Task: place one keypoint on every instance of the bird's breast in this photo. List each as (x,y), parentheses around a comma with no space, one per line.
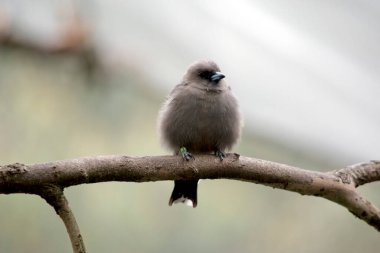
(203,122)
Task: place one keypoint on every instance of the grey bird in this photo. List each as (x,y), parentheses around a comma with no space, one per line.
(200,116)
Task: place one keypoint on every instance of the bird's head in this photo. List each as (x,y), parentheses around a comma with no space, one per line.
(205,75)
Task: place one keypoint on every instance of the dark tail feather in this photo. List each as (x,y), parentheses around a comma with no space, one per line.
(184,191)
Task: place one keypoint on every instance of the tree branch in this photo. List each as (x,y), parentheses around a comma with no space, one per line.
(361,173)
(55,197)
(338,186)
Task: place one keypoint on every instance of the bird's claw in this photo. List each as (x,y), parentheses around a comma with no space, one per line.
(185,155)
(220,154)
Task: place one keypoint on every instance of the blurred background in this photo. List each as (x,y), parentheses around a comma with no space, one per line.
(83,78)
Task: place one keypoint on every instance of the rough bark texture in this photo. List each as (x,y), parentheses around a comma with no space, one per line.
(49,179)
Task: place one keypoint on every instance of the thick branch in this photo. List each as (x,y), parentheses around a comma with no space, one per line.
(338,185)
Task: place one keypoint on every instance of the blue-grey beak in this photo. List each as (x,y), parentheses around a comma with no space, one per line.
(217,76)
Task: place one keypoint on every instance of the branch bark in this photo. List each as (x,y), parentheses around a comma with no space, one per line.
(55,197)
(338,186)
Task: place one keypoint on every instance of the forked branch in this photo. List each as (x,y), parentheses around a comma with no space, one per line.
(338,185)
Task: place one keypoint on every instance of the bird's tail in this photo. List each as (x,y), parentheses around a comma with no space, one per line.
(184,191)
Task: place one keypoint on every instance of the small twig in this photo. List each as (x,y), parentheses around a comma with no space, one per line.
(359,174)
(55,197)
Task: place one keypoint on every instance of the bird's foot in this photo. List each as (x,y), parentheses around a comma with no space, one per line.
(185,155)
(220,154)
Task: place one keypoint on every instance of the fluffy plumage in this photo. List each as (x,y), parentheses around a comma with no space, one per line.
(202,115)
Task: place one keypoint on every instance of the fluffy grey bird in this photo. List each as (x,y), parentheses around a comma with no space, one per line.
(200,116)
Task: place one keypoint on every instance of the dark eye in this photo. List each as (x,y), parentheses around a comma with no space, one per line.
(206,74)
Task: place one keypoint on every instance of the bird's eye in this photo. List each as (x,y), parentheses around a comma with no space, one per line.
(206,74)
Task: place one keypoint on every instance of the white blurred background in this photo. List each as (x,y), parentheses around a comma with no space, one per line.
(88,77)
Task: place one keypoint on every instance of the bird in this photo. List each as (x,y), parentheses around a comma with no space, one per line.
(201,115)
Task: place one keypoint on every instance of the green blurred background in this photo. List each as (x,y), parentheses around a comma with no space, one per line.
(83,78)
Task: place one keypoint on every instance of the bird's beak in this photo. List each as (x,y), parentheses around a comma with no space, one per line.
(217,76)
